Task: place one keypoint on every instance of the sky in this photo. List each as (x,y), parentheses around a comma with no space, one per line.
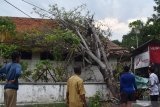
(116,14)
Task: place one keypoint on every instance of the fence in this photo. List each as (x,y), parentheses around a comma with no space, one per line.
(44,93)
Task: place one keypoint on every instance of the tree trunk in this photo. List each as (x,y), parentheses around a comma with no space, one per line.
(111,83)
(104,66)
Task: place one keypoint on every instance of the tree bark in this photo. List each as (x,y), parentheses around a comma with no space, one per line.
(104,67)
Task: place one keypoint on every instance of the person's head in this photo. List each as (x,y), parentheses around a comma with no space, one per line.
(150,69)
(77,70)
(15,57)
(126,69)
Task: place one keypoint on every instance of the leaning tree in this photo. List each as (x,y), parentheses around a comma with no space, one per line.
(82,24)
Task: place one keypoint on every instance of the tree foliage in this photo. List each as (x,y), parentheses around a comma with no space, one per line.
(46,72)
(57,42)
(134,36)
(147,31)
(117,42)
(63,41)
(6,50)
(7,26)
(82,24)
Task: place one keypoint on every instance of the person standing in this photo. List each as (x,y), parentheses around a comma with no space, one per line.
(12,71)
(153,87)
(127,88)
(75,90)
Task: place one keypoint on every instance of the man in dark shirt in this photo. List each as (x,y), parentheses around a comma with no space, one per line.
(12,71)
(127,87)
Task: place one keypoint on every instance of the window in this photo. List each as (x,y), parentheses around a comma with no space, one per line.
(46,55)
(26,55)
(78,58)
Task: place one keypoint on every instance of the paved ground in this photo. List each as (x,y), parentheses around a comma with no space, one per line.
(137,104)
(142,104)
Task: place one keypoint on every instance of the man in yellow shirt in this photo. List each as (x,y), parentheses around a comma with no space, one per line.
(75,90)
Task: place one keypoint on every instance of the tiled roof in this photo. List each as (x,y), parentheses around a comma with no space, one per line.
(27,24)
(114,49)
(112,46)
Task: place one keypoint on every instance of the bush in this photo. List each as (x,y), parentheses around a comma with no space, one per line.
(95,100)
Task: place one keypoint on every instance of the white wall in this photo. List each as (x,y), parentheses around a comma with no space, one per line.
(49,93)
(90,73)
(113,62)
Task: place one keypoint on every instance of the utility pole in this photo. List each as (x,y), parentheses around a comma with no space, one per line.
(137,32)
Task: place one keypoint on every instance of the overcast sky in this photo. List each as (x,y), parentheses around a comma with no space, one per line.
(114,13)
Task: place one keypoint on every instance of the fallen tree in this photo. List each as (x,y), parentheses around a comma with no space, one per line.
(82,24)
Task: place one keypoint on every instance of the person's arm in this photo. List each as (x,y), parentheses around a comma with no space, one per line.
(67,97)
(84,100)
(82,92)
(18,71)
(67,93)
(151,81)
(135,86)
(18,74)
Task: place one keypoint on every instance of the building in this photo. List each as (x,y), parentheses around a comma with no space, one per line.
(146,55)
(29,25)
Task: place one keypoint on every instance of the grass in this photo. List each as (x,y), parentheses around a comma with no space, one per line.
(47,105)
(43,105)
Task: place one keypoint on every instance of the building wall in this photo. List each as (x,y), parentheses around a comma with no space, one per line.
(50,93)
(113,62)
(90,73)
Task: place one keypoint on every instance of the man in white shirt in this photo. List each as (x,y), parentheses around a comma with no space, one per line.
(153,87)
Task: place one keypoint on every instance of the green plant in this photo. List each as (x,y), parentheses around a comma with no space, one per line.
(64,41)
(40,72)
(60,73)
(6,50)
(7,26)
(25,71)
(95,100)
(24,65)
(45,71)
(118,70)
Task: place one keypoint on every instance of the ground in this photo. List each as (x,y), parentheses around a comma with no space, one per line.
(143,104)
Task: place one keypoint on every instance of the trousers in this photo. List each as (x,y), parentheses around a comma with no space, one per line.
(10,97)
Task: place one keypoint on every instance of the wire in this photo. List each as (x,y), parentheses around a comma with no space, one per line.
(38,8)
(17,8)
(35,6)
